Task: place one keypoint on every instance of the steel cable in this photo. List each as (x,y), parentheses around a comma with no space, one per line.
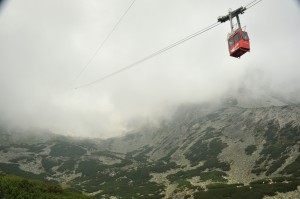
(151,55)
(103,42)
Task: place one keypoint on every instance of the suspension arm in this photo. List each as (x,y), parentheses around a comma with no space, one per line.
(234,13)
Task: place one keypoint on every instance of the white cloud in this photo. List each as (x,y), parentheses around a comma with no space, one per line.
(44,44)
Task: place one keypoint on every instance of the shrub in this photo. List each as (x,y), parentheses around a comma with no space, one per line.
(249,150)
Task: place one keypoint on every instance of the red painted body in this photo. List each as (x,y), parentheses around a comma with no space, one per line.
(238,43)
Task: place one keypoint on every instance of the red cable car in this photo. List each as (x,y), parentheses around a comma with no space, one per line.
(238,39)
(238,43)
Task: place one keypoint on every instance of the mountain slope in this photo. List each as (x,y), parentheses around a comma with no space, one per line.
(245,150)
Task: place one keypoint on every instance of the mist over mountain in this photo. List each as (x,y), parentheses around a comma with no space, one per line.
(191,122)
(201,150)
(43,51)
(254,89)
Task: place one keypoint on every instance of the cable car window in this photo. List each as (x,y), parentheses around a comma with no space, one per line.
(230,42)
(245,35)
(236,37)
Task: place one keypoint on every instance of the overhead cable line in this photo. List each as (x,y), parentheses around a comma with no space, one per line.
(250,5)
(104,41)
(151,55)
(253,3)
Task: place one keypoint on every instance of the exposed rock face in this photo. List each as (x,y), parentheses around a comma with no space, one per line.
(229,143)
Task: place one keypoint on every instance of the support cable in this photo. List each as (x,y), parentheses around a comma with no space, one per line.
(152,55)
(248,6)
(253,4)
(103,42)
(250,3)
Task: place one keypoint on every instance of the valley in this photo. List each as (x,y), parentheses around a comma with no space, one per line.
(199,153)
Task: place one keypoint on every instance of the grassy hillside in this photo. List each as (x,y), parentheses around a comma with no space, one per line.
(13,187)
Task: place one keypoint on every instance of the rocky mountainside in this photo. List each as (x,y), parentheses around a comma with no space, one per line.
(229,149)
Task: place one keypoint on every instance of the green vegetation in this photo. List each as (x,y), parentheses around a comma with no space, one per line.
(277,147)
(121,183)
(125,188)
(114,180)
(249,150)
(131,177)
(214,163)
(216,176)
(210,132)
(123,163)
(90,168)
(208,152)
(67,165)
(142,156)
(276,165)
(222,185)
(15,170)
(183,184)
(202,150)
(66,149)
(22,158)
(167,158)
(256,190)
(107,154)
(12,187)
(4,149)
(293,169)
(48,163)
(161,166)
(212,116)
(131,137)
(32,148)
(258,170)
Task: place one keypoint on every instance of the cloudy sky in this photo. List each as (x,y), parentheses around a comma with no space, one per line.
(44,44)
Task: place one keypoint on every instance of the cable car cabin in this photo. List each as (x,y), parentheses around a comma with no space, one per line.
(238,43)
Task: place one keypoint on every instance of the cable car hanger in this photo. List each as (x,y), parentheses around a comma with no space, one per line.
(238,39)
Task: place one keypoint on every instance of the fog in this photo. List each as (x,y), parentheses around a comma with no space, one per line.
(45,44)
